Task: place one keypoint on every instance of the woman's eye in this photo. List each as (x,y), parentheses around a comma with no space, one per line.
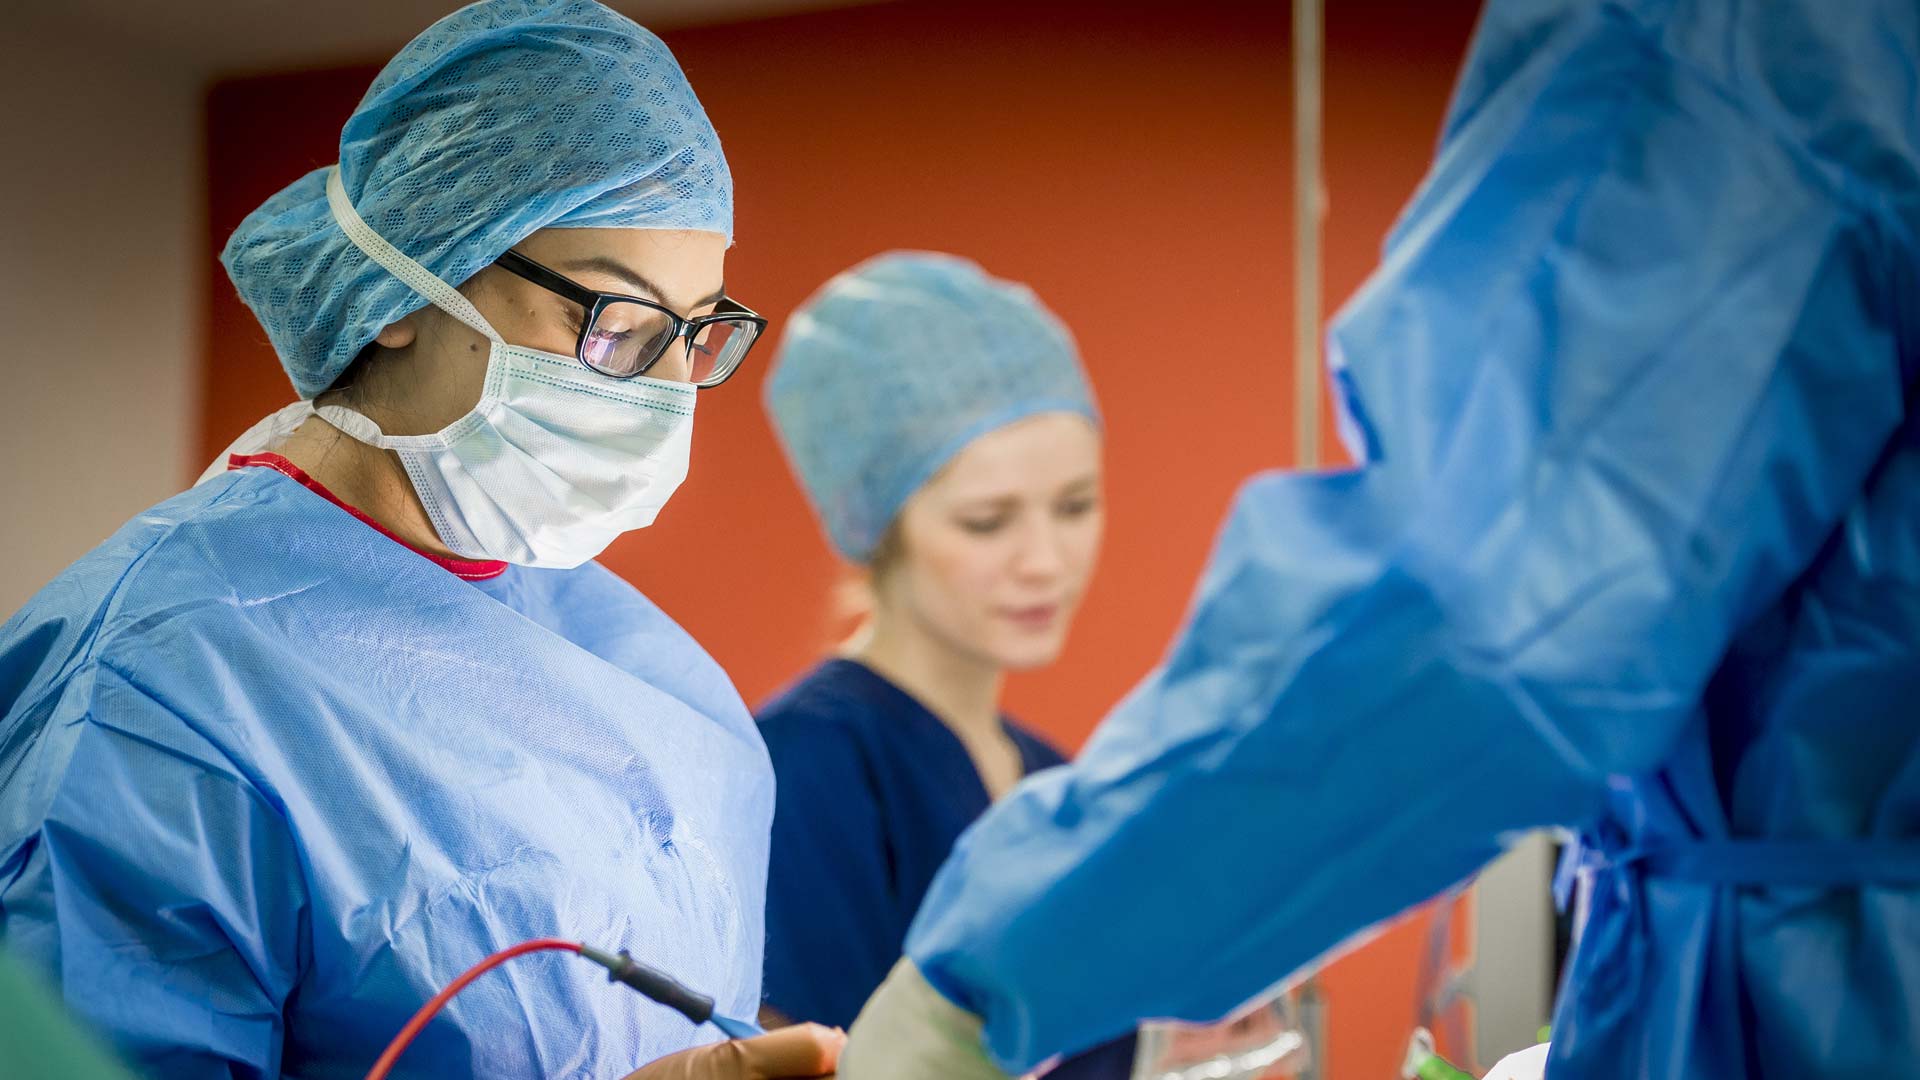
(605,343)
(1074,508)
(601,348)
(983,526)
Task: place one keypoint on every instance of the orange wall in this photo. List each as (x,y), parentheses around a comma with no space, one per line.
(1129,160)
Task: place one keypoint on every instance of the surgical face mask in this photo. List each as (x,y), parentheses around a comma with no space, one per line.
(551,465)
(553,462)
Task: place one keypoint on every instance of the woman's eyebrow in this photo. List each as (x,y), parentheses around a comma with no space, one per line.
(1083,483)
(978,503)
(640,283)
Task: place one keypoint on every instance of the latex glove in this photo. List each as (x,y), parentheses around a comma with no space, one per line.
(908,1031)
(804,1050)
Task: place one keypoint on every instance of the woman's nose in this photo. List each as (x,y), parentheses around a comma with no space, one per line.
(1040,554)
(674,365)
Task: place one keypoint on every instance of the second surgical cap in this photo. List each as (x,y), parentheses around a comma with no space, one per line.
(894,366)
(504,118)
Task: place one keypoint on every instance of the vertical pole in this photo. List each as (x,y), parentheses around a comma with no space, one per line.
(1308,201)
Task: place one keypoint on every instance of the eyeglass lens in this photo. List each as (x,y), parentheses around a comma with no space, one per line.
(626,339)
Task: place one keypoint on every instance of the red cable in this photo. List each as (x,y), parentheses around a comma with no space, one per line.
(400,1041)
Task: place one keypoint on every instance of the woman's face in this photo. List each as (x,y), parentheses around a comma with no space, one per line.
(995,552)
(439,377)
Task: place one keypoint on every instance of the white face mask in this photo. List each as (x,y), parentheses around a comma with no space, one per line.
(553,462)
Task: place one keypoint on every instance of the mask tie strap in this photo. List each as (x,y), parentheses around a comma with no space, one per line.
(354,424)
(416,277)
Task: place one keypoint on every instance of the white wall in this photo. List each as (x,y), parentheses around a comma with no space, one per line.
(1513,928)
(100,293)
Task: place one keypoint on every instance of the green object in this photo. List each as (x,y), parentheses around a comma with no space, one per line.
(1423,1063)
(1439,1068)
(1545,1034)
(37,1039)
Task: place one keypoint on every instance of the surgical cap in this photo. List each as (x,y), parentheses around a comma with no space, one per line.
(504,118)
(894,366)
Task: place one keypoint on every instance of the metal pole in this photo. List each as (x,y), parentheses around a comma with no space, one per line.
(1308,201)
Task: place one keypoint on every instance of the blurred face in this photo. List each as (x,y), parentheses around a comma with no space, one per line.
(995,552)
(441,364)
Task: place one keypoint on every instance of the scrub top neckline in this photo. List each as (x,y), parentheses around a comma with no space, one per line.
(468,569)
(1029,761)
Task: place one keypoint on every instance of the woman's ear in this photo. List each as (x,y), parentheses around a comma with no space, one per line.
(397,335)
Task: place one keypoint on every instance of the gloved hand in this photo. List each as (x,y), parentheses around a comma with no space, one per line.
(908,1031)
(1528,1064)
(804,1050)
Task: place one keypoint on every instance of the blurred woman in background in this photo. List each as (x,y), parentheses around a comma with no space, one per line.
(946,436)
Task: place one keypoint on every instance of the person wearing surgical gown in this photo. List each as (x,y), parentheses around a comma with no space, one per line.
(293,749)
(1633,548)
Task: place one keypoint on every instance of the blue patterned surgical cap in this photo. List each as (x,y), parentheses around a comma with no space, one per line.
(504,118)
(894,366)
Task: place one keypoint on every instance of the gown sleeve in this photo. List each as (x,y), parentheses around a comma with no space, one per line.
(166,893)
(1634,350)
(834,917)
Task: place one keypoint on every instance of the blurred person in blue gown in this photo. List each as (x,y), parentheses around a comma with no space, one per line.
(1633,549)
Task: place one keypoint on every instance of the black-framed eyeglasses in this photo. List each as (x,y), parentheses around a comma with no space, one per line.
(623,336)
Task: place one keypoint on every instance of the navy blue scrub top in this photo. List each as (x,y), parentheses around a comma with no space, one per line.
(871,792)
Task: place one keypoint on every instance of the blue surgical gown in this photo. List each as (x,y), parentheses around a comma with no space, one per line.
(1635,549)
(269,780)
